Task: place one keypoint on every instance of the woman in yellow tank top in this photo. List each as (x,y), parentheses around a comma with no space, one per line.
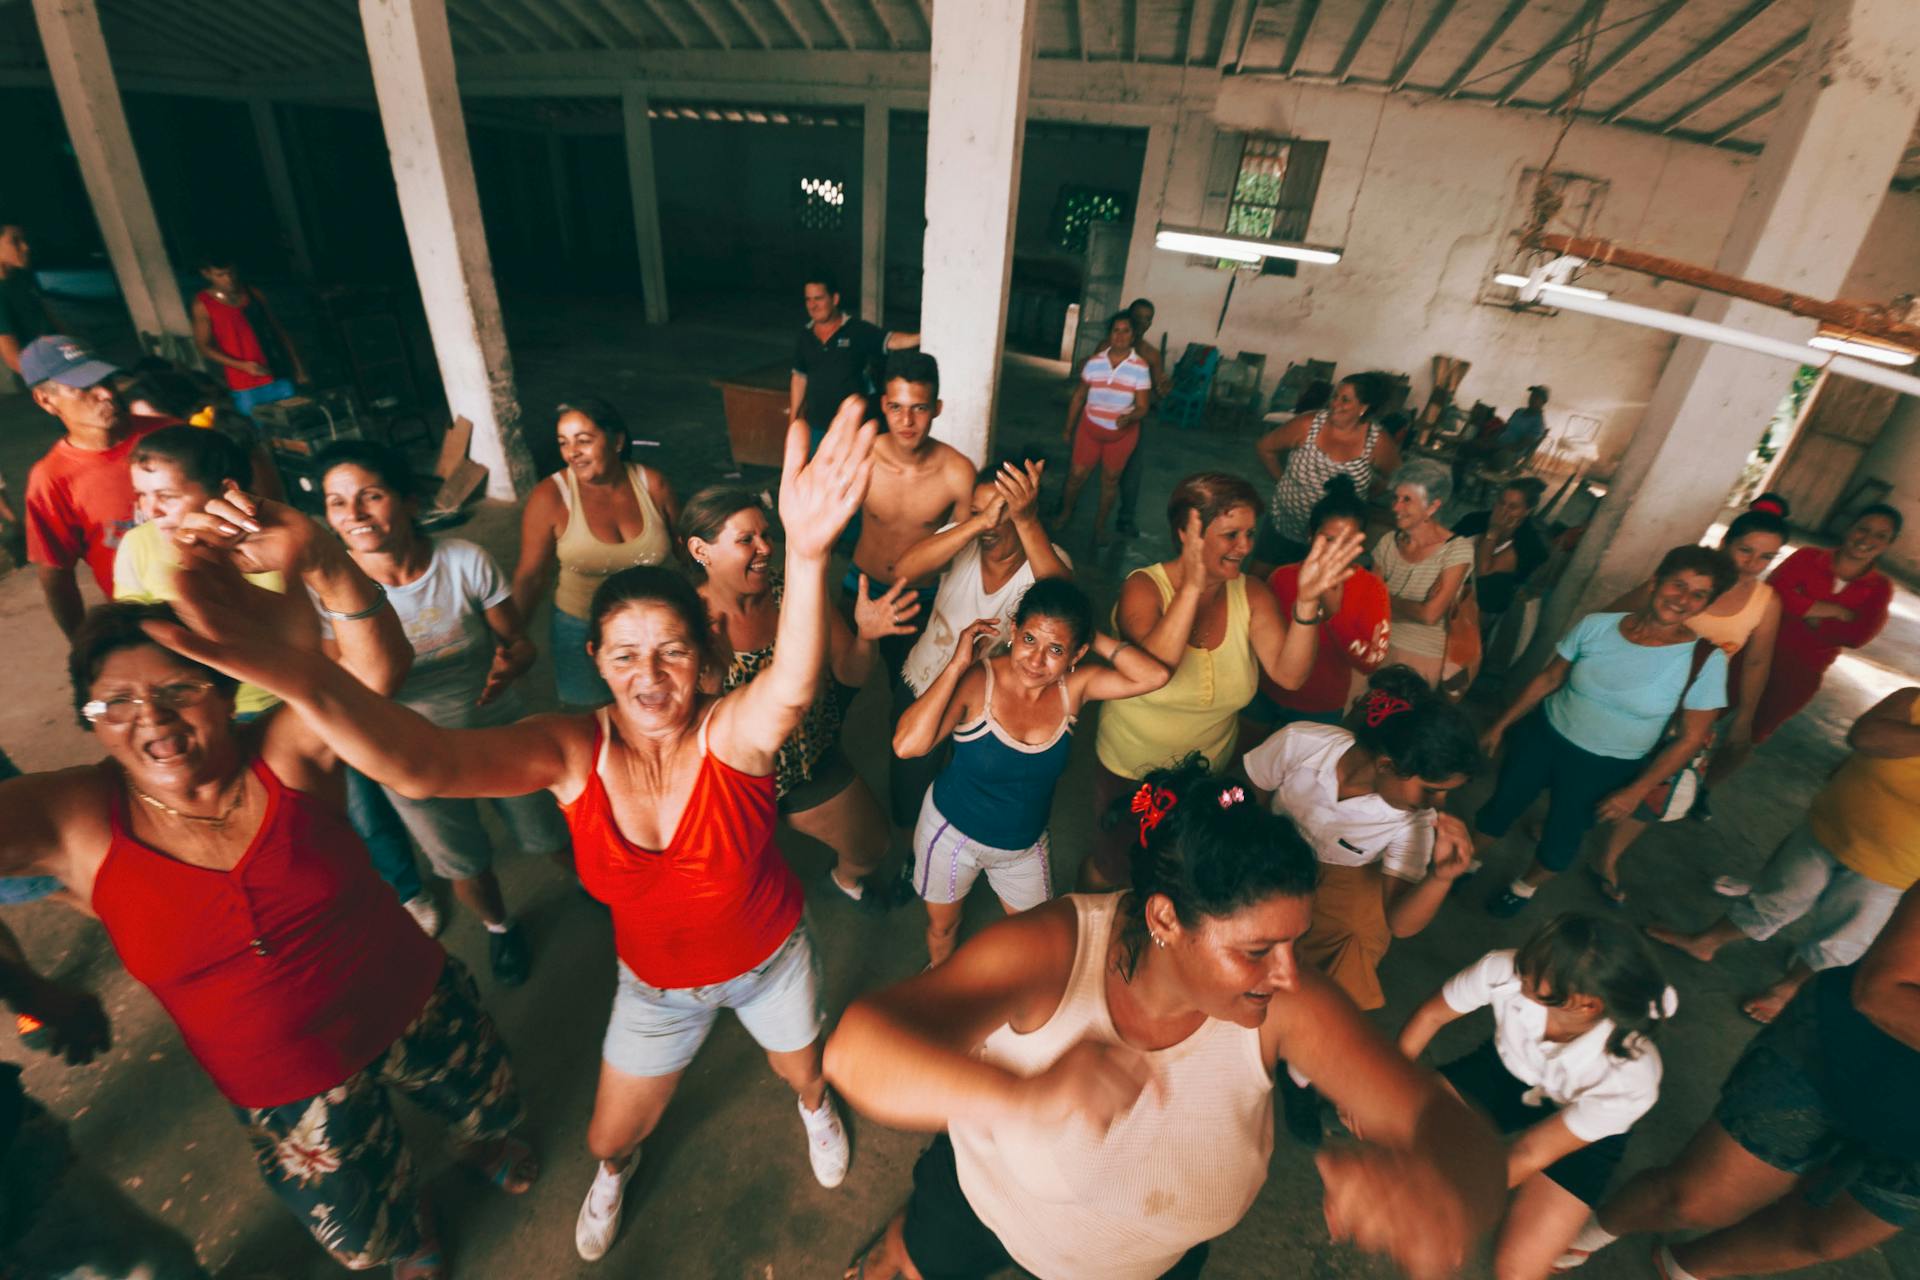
(1743,624)
(600,514)
(1216,629)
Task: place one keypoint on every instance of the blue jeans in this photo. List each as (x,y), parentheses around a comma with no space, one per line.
(253,397)
(18,889)
(1538,759)
(576,680)
(385,836)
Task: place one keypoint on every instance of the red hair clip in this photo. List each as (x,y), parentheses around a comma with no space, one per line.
(1151,803)
(1381,705)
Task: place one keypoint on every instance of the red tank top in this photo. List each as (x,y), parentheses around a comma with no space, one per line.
(234,334)
(286,974)
(715,902)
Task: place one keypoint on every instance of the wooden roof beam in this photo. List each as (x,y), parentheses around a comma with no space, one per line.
(1436,17)
(1297,39)
(793,23)
(1080,29)
(1361,30)
(832,11)
(461,25)
(1740,122)
(1726,31)
(620,14)
(873,7)
(1568,34)
(752,24)
(1239,29)
(1745,75)
(536,10)
(483,13)
(1616,55)
(164,35)
(185,19)
(594,25)
(666,25)
(1500,24)
(340,32)
(698,9)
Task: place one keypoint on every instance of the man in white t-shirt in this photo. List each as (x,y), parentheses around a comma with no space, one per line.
(989,559)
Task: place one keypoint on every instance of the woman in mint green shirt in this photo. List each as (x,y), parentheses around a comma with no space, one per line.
(1588,729)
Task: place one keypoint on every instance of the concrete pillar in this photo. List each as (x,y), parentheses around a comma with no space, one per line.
(1836,142)
(977,116)
(412,57)
(873,211)
(83,79)
(646,203)
(1148,208)
(286,206)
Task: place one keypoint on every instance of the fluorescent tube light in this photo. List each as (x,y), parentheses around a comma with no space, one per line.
(1221,244)
(1513,281)
(1864,350)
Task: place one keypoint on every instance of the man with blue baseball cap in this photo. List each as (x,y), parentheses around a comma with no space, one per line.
(80,495)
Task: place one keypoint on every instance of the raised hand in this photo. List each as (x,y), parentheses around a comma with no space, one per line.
(255,535)
(1094,1081)
(1396,1203)
(1329,563)
(228,623)
(892,614)
(818,497)
(968,647)
(994,512)
(1019,488)
(1193,551)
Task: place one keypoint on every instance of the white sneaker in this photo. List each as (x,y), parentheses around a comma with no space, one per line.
(826,1143)
(425,912)
(599,1221)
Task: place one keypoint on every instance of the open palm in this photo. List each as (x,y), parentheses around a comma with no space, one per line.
(819,496)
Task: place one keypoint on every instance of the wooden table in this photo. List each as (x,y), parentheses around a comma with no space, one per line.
(756,403)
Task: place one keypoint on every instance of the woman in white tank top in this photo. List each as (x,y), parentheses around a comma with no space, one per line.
(1102,1067)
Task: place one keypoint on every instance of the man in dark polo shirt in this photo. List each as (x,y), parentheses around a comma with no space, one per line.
(834,357)
(23,312)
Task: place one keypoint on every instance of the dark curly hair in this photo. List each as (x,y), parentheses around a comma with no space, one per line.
(1583,955)
(1059,599)
(1206,858)
(1423,733)
(109,628)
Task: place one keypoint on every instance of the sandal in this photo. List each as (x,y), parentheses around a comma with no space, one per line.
(857,1265)
(510,1164)
(425,1263)
(1610,891)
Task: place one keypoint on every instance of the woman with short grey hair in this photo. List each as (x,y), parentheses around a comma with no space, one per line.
(1424,566)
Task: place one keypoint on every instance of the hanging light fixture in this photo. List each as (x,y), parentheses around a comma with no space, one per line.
(1239,248)
(1831,338)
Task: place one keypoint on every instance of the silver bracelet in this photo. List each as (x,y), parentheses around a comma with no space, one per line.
(379,603)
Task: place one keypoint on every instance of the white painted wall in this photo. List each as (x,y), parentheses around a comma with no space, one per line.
(1417,194)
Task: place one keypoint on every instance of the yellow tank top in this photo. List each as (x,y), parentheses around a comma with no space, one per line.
(1197,710)
(1869,814)
(585,561)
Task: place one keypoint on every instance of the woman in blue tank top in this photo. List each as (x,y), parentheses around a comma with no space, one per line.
(1011,720)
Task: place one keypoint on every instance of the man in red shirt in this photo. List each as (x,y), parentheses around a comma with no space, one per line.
(80,495)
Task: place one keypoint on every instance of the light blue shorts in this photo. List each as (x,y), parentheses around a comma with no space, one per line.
(656,1032)
(576,680)
(458,847)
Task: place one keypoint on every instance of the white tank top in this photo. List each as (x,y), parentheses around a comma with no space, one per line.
(1183,1166)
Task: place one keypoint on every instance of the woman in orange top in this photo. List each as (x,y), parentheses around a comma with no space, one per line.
(670,796)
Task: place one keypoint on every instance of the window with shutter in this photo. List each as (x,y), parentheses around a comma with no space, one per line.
(1261,186)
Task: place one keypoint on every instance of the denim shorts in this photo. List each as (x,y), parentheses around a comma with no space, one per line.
(576,680)
(657,1031)
(457,846)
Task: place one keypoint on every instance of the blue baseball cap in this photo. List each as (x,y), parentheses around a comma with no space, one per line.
(58,358)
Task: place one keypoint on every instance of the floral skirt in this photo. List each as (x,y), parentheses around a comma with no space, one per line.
(338,1159)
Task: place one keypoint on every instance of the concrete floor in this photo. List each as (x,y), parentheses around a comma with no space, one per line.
(724,1189)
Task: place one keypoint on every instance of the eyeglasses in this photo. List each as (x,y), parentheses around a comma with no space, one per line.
(122,708)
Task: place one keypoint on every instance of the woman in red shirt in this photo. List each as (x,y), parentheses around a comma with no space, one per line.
(1355,632)
(670,795)
(1829,601)
(220,861)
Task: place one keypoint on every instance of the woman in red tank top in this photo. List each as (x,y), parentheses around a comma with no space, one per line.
(221,863)
(670,796)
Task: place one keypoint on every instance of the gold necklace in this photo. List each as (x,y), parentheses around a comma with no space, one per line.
(217,822)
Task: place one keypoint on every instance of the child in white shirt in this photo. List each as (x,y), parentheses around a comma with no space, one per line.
(1570,1068)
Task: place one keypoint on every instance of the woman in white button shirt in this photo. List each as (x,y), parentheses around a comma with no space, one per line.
(1368,797)
(1570,1068)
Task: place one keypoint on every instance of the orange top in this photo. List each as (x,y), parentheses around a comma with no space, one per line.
(717,901)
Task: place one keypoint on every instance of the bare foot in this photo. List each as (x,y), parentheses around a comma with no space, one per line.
(1766,1006)
(885,1256)
(1687,942)
(508,1163)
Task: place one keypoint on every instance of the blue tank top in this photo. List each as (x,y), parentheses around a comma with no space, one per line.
(998,790)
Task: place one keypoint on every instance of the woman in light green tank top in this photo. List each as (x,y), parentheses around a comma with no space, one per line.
(1216,629)
(597,515)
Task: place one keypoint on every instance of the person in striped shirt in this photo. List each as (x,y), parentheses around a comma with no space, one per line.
(1103,420)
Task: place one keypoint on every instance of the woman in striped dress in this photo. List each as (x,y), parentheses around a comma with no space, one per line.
(1305,453)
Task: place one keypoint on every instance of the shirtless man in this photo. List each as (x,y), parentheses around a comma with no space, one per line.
(918,484)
